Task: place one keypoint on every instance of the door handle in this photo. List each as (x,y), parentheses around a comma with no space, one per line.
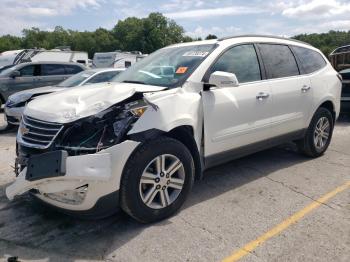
(305,88)
(262,95)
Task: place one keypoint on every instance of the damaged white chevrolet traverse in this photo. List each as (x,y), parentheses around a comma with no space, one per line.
(139,143)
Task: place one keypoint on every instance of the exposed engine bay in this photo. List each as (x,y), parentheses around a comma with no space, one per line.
(107,128)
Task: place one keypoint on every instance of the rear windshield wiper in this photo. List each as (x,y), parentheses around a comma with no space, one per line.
(134,82)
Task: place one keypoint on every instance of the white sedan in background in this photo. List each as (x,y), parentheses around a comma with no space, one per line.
(15,104)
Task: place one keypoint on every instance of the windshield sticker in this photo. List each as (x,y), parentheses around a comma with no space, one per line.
(196,53)
(181,70)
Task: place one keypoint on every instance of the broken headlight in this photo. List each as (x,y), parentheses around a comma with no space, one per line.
(103,130)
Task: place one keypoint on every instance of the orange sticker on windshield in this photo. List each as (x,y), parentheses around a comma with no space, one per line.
(181,70)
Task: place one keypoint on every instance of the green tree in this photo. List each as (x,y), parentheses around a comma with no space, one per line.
(8,42)
(147,34)
(326,42)
(210,36)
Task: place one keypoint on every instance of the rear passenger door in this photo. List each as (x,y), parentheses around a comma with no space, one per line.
(52,74)
(291,92)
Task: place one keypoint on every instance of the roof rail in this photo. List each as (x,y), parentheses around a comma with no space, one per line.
(267,36)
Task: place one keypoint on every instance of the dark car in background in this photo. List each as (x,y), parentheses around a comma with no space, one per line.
(340,59)
(345,97)
(33,75)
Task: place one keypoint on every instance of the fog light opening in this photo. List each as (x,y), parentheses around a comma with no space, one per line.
(72,197)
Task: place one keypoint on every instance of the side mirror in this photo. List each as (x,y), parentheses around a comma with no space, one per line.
(15,74)
(221,79)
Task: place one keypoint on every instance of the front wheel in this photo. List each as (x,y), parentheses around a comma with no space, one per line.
(318,135)
(156,180)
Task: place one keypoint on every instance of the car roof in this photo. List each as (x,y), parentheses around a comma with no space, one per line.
(50,63)
(340,50)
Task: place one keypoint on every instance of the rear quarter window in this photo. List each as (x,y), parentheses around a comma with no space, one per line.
(72,69)
(311,60)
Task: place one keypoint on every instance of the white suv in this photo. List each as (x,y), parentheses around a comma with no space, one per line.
(140,143)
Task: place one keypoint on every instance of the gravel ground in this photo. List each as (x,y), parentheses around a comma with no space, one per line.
(234,204)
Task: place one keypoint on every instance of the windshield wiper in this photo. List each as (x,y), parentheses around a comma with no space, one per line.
(134,82)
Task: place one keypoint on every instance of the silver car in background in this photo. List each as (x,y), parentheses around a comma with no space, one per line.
(35,74)
(15,104)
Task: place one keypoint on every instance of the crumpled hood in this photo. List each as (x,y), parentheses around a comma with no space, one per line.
(82,101)
(40,90)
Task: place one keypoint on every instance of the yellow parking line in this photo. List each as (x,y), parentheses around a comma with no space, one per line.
(285,224)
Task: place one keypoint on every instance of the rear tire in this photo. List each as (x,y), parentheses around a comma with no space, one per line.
(318,135)
(156,180)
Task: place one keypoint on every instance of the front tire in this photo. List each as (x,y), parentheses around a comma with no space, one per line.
(318,135)
(156,180)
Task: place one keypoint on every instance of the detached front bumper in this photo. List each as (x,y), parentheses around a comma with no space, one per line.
(84,180)
(13,115)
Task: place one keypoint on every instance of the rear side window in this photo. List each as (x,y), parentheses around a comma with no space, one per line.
(311,60)
(72,69)
(240,60)
(30,70)
(279,60)
(103,77)
(52,70)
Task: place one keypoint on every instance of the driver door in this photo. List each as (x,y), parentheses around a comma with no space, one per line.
(28,79)
(235,117)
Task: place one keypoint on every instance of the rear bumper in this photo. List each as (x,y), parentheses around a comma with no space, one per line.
(13,115)
(87,181)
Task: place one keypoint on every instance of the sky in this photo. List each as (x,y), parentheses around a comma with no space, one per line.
(198,17)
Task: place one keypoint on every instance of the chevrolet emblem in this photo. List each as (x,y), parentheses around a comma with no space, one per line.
(23,130)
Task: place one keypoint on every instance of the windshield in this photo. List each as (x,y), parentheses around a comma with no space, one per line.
(169,67)
(76,79)
(7,70)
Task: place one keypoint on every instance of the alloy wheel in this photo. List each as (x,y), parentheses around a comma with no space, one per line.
(322,132)
(162,181)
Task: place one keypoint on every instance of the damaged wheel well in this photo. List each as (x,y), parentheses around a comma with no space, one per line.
(185,135)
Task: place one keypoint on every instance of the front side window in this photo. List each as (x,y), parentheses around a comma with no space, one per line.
(279,60)
(169,67)
(311,60)
(52,70)
(240,60)
(27,70)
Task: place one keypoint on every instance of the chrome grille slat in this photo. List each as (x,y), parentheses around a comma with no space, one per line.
(36,140)
(43,122)
(47,129)
(37,133)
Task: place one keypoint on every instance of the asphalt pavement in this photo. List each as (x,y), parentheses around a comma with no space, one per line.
(237,206)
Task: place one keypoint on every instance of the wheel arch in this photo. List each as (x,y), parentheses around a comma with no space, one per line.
(329,105)
(184,134)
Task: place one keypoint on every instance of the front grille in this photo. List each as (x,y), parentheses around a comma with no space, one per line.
(37,133)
